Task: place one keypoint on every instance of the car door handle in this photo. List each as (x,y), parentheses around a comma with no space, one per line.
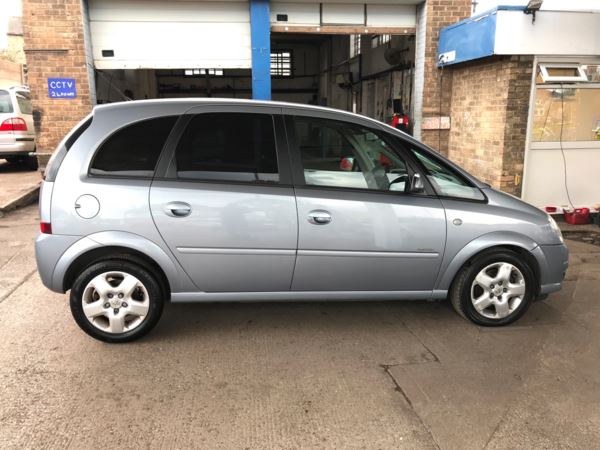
(319,217)
(178,209)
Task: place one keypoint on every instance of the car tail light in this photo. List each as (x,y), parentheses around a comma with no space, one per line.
(46,227)
(13,124)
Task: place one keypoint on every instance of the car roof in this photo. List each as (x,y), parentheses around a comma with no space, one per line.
(184,104)
(16,88)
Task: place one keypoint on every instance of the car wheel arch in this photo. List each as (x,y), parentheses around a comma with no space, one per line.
(519,244)
(111,243)
(521,251)
(115,252)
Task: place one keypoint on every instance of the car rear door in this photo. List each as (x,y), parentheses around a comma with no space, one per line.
(223,201)
(360,229)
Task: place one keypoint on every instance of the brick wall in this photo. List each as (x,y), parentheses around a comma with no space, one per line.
(489,111)
(439,14)
(54,47)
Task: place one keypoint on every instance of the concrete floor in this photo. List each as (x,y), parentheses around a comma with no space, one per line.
(307,375)
(17,182)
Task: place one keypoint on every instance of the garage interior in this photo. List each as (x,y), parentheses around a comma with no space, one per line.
(322,54)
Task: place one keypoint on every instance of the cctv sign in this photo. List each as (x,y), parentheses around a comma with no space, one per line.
(61,88)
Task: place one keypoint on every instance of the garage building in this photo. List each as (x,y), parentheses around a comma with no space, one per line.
(371,57)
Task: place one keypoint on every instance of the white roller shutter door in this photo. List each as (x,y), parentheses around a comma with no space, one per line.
(154,34)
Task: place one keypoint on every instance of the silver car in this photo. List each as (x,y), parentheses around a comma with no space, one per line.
(17,132)
(216,200)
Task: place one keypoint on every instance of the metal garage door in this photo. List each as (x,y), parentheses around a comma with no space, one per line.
(156,34)
(345,16)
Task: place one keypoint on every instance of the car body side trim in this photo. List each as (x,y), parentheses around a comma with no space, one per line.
(367,254)
(200,297)
(235,251)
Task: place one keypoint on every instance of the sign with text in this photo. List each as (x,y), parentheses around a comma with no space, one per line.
(61,88)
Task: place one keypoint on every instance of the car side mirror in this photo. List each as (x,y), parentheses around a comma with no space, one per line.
(416,184)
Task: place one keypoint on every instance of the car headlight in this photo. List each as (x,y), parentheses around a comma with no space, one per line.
(555,228)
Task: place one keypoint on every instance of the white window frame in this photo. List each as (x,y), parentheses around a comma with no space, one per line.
(553,79)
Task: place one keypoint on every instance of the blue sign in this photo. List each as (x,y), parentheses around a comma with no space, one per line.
(61,88)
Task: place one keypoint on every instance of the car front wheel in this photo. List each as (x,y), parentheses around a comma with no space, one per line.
(116,301)
(495,289)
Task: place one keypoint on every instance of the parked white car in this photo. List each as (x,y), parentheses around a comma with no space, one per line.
(17,132)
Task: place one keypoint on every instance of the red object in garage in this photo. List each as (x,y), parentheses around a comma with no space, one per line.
(400,122)
(579,216)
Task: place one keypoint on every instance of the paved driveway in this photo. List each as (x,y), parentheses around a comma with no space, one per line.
(304,375)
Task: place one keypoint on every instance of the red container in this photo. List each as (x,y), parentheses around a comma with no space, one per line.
(579,216)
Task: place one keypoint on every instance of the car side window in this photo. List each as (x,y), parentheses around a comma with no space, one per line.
(228,147)
(445,181)
(342,154)
(133,151)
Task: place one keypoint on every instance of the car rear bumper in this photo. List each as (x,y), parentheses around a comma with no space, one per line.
(21,147)
(48,250)
(554,262)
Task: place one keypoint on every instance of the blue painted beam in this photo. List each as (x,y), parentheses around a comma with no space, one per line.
(260,35)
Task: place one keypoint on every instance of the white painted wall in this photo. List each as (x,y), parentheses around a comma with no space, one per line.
(556,5)
(553,33)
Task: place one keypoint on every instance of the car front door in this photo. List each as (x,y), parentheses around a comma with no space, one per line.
(361,226)
(223,203)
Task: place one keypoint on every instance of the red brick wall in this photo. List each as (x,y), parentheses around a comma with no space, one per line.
(54,47)
(440,13)
(489,111)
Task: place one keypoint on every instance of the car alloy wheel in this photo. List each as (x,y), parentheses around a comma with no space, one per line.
(498,290)
(115,302)
(495,288)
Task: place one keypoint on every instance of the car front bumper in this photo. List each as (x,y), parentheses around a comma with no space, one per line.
(554,262)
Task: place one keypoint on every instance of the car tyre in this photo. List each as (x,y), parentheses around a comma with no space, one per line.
(116,301)
(496,288)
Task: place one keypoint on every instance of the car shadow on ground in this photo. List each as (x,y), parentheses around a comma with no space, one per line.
(182,321)
(10,167)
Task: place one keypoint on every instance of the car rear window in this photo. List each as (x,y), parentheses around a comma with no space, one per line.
(5,102)
(133,151)
(24,101)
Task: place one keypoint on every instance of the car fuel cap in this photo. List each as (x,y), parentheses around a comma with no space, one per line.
(87,206)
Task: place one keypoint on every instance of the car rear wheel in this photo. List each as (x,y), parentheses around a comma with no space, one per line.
(116,301)
(495,289)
